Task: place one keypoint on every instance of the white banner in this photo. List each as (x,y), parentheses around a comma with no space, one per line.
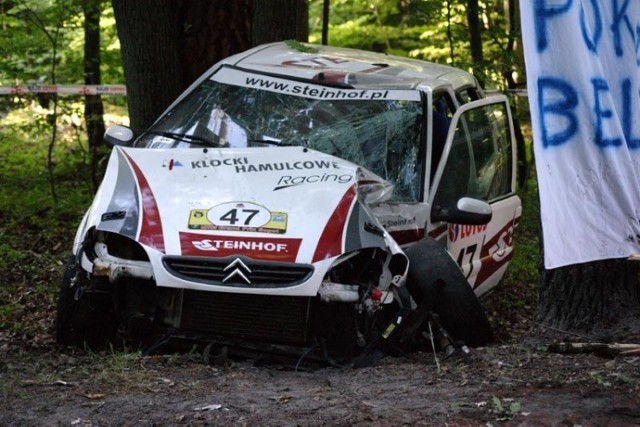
(117,90)
(583,76)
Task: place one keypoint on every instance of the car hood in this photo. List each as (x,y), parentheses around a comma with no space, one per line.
(286,204)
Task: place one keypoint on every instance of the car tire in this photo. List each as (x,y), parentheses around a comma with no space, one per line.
(66,333)
(83,318)
(436,280)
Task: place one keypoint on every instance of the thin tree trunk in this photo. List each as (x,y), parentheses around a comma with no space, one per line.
(93,108)
(513,30)
(475,38)
(449,33)
(326,4)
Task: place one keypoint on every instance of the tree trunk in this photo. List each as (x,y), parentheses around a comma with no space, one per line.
(599,295)
(93,108)
(167,44)
(475,39)
(211,31)
(513,15)
(326,5)
(148,35)
(276,20)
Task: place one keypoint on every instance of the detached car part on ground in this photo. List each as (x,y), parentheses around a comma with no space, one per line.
(322,202)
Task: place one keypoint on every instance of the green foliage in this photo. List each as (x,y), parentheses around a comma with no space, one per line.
(32,39)
(36,232)
(110,59)
(504,412)
(41,42)
(295,44)
(382,26)
(432,31)
(524,266)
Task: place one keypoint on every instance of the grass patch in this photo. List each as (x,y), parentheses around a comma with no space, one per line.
(36,229)
(512,305)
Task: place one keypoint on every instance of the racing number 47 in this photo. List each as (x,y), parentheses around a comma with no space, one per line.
(235,215)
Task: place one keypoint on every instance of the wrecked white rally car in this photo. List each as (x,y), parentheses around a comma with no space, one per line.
(301,200)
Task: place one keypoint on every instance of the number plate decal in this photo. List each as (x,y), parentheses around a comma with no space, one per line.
(238,216)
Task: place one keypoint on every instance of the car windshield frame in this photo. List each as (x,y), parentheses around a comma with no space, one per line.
(382,130)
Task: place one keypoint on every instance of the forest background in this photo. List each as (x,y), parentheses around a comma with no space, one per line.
(51,162)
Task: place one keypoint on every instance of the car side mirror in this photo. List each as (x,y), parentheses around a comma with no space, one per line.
(118,135)
(467,211)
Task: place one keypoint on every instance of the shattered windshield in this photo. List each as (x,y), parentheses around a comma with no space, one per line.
(377,129)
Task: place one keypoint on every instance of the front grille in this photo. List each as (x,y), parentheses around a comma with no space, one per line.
(276,319)
(251,273)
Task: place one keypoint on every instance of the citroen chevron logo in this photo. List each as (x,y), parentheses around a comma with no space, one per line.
(238,268)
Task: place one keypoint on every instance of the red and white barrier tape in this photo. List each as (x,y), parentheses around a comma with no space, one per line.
(114,90)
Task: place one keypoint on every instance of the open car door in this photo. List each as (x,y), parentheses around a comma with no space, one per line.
(478,165)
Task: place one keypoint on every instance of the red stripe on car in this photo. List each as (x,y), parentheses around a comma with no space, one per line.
(330,243)
(151,228)
(496,252)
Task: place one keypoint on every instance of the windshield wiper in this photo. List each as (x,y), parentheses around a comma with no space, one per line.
(186,138)
(268,141)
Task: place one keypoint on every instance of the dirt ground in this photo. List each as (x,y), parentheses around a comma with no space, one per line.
(517,381)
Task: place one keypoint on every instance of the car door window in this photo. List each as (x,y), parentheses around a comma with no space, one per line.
(480,159)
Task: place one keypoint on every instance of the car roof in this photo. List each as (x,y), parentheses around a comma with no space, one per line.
(358,68)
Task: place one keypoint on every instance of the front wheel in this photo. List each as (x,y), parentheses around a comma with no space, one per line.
(435,279)
(85,315)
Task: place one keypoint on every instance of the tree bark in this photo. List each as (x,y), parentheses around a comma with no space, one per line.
(148,35)
(276,20)
(210,32)
(475,39)
(93,108)
(599,295)
(167,44)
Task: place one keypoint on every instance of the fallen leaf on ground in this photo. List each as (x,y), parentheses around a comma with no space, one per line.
(281,399)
